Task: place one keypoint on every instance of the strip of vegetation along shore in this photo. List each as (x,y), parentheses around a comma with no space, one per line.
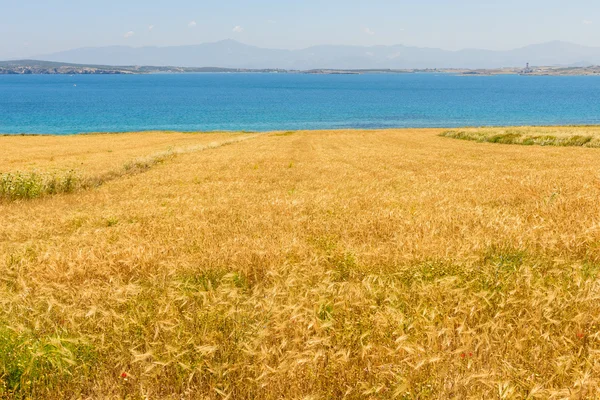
(528,136)
(26,185)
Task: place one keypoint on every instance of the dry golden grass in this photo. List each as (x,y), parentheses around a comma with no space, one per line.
(93,153)
(312,265)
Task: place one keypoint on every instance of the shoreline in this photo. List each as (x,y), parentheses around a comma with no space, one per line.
(209,132)
(36,67)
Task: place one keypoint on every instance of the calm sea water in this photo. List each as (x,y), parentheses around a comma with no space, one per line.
(62,104)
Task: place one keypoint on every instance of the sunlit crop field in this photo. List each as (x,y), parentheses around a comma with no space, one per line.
(301,265)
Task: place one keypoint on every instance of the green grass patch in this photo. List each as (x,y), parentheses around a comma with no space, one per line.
(31,185)
(525,137)
(32,367)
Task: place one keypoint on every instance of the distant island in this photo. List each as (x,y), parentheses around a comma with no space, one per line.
(30,67)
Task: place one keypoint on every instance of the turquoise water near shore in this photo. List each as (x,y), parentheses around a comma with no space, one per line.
(63,104)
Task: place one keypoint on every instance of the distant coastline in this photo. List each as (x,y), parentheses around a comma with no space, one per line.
(37,67)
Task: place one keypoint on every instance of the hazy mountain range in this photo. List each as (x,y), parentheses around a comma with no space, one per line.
(233,54)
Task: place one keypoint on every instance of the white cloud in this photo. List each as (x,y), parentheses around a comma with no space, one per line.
(192,24)
(128,34)
(368,31)
(587,22)
(238,29)
(151,27)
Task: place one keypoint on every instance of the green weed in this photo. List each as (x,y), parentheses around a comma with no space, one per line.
(32,367)
(31,185)
(525,137)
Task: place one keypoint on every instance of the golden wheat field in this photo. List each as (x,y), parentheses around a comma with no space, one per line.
(298,265)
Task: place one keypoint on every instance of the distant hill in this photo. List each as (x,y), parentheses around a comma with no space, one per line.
(233,54)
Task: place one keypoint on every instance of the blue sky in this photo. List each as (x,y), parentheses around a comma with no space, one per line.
(33,27)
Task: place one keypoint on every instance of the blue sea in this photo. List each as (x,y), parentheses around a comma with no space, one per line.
(63,104)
